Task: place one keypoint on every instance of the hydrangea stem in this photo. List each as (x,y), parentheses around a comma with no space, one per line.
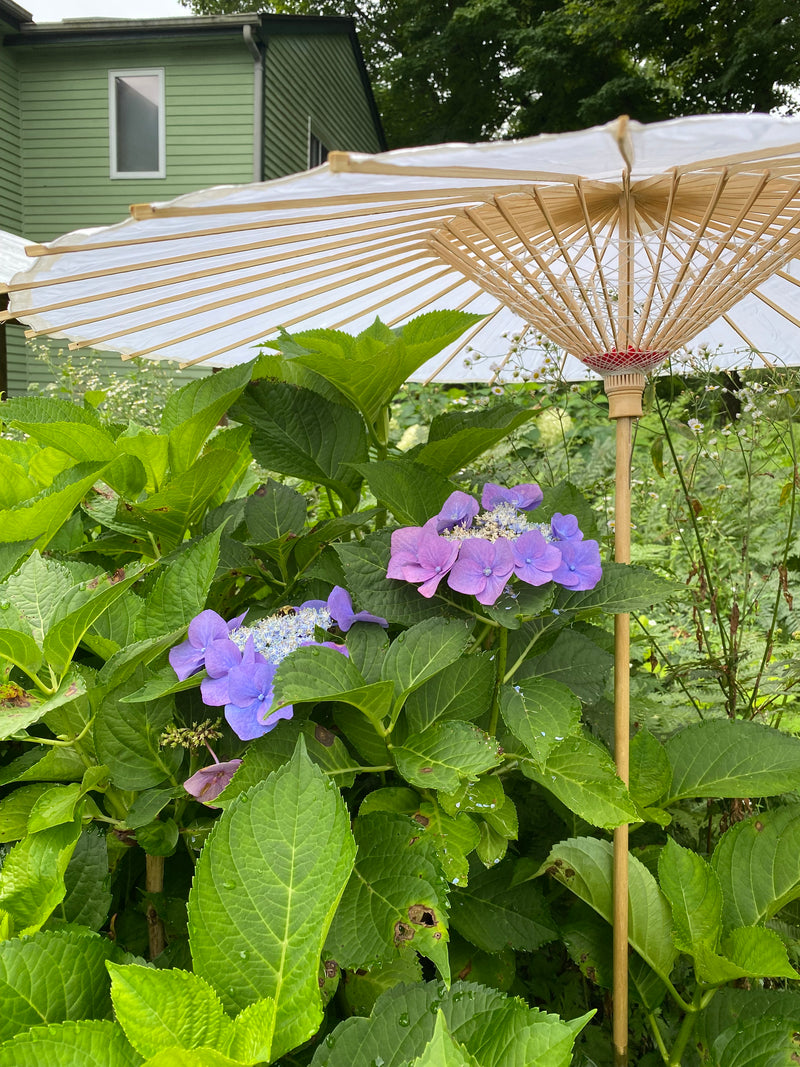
(500,661)
(154,883)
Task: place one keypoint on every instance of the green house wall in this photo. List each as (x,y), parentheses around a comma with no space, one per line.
(313,79)
(54,125)
(10,160)
(63,90)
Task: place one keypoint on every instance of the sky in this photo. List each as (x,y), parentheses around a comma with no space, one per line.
(55,10)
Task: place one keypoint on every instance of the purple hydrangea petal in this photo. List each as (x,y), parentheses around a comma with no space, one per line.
(271,721)
(524,497)
(434,557)
(186,660)
(189,657)
(458,510)
(340,607)
(565,528)
(207,783)
(404,549)
(206,627)
(580,565)
(251,685)
(482,568)
(534,559)
(221,656)
(215,691)
(313,604)
(244,722)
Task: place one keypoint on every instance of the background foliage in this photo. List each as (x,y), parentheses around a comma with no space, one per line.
(416,866)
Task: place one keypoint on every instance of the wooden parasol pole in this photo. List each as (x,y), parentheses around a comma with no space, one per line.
(625,405)
(624,393)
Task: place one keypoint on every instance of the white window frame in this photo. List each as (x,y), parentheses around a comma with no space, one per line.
(312,132)
(158,72)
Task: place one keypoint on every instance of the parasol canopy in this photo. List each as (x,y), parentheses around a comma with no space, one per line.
(703,213)
(12,255)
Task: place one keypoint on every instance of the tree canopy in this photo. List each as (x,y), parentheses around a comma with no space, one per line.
(467,70)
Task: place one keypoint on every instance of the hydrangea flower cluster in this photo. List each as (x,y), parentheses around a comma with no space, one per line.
(479,547)
(240,661)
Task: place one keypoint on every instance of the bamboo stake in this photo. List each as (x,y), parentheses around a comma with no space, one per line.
(621,409)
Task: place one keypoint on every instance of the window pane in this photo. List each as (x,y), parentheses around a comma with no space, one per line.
(317,152)
(137,98)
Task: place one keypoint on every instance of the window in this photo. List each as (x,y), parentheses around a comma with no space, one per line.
(317,152)
(136,123)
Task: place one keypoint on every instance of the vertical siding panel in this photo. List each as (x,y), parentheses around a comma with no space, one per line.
(313,77)
(10,163)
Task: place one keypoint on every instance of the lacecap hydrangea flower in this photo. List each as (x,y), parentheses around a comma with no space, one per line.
(240,661)
(479,548)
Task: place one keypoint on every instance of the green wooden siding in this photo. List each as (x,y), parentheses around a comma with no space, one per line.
(63,91)
(65,130)
(312,76)
(54,130)
(10,163)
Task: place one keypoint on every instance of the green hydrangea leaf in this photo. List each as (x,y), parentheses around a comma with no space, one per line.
(758,864)
(731,758)
(496,1030)
(52,976)
(693,890)
(88,895)
(316,674)
(411,491)
(580,772)
(266,885)
(747,952)
(266,754)
(462,690)
(454,838)
(441,756)
(442,1050)
(160,1009)
(494,913)
(423,651)
(32,877)
(540,713)
(90,1043)
(181,589)
(396,899)
(584,866)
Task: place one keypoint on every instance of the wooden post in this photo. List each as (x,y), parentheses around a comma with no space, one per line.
(625,404)
(624,393)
